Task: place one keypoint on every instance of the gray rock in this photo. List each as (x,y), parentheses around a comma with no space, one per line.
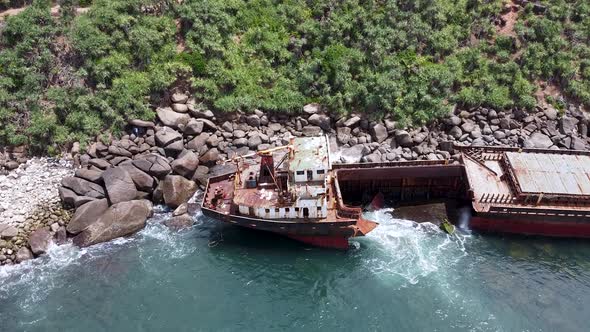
(39,241)
(403,138)
(311,131)
(539,141)
(468,126)
(99,163)
(312,108)
(170,118)
(210,156)
(352,121)
(23,254)
(199,113)
(180,108)
(578,143)
(119,185)
(320,120)
(179,98)
(186,165)
(239,142)
(119,151)
(67,197)
(568,125)
(201,175)
(154,165)
(83,187)
(177,190)
(208,124)
(419,138)
(142,180)
(379,133)
(343,134)
(193,127)
(181,209)
(254,142)
(352,155)
(196,143)
(253,120)
(166,136)
(550,112)
(456,132)
(8,232)
(119,220)
(86,215)
(142,123)
(454,120)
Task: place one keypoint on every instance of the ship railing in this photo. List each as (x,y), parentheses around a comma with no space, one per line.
(540,212)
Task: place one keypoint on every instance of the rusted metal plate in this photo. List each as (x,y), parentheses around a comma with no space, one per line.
(552,174)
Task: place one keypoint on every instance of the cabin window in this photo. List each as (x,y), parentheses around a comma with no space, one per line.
(267,210)
(287,210)
(320,171)
(319,209)
(296,209)
(300,172)
(277,210)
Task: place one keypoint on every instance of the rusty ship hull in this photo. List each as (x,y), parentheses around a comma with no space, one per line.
(529,191)
(299,201)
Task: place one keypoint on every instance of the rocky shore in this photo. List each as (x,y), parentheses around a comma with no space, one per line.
(116,183)
(31,213)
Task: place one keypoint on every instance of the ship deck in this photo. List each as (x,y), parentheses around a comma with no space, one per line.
(234,194)
(544,182)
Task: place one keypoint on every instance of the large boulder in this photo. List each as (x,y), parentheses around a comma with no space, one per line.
(23,254)
(89,174)
(67,197)
(193,127)
(539,141)
(210,157)
(186,164)
(196,143)
(323,121)
(170,118)
(167,136)
(352,155)
(86,215)
(39,241)
(312,108)
(177,190)
(379,133)
(119,185)
(403,138)
(143,181)
(310,131)
(119,220)
(153,164)
(8,231)
(179,98)
(568,125)
(83,187)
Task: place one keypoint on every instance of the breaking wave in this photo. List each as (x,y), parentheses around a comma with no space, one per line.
(410,250)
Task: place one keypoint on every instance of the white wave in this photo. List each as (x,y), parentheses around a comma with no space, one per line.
(410,250)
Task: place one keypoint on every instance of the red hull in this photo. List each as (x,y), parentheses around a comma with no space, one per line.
(323,241)
(531,227)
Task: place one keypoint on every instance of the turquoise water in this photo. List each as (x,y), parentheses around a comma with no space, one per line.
(217,277)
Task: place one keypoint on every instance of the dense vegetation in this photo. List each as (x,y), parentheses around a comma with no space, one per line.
(72,77)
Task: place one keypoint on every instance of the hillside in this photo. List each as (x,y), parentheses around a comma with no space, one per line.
(71,77)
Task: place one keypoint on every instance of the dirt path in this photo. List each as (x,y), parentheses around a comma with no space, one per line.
(510,18)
